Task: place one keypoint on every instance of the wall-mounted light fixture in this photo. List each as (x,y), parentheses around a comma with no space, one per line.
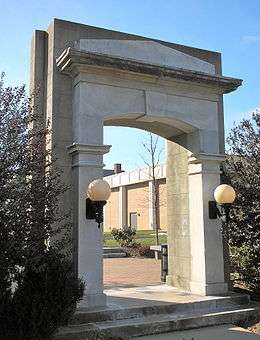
(97,195)
(224,196)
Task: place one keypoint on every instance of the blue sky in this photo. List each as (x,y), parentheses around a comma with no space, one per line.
(231,27)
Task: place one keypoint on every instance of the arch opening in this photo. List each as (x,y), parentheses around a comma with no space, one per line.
(168,128)
(131,204)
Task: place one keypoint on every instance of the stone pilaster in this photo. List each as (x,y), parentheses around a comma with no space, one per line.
(178,228)
(87,164)
(195,242)
(207,263)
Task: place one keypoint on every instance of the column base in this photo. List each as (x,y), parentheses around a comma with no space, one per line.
(180,283)
(206,289)
(169,280)
(93,301)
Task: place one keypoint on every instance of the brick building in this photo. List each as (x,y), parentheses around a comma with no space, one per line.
(132,197)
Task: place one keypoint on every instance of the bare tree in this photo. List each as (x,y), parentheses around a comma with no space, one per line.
(152,158)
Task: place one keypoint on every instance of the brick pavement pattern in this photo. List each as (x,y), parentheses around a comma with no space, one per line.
(131,272)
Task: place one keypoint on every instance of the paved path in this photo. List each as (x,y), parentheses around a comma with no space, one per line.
(226,332)
(131,272)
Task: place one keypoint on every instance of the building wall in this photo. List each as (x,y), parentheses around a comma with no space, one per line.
(111,211)
(137,200)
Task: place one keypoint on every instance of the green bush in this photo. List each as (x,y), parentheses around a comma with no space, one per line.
(245,265)
(38,290)
(125,236)
(45,298)
(242,168)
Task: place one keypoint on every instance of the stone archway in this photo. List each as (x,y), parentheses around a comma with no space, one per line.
(93,77)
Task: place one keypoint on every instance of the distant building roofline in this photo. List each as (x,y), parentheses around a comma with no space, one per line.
(135,176)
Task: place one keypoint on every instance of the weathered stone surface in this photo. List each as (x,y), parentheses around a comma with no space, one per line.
(158,318)
(176,92)
(145,51)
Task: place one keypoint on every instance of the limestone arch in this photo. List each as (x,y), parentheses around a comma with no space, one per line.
(191,124)
(166,127)
(88,74)
(189,269)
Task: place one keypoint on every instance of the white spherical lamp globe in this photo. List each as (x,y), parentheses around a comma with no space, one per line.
(98,190)
(224,194)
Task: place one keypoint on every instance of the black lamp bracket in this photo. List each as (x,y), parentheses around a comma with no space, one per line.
(94,210)
(219,211)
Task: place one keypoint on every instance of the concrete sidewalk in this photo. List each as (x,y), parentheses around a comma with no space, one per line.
(122,297)
(226,332)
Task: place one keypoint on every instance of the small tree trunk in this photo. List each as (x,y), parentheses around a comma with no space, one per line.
(151,148)
(156,208)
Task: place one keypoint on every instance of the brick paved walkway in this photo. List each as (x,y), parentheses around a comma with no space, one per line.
(131,272)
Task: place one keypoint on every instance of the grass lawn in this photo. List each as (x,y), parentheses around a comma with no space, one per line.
(145,237)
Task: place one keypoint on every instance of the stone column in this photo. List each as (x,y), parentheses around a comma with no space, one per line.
(152,210)
(178,228)
(87,164)
(207,264)
(122,206)
(195,242)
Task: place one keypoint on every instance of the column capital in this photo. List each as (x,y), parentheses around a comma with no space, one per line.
(92,149)
(203,163)
(196,158)
(87,155)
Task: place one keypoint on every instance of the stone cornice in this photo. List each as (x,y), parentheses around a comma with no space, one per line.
(205,163)
(88,149)
(71,59)
(206,157)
